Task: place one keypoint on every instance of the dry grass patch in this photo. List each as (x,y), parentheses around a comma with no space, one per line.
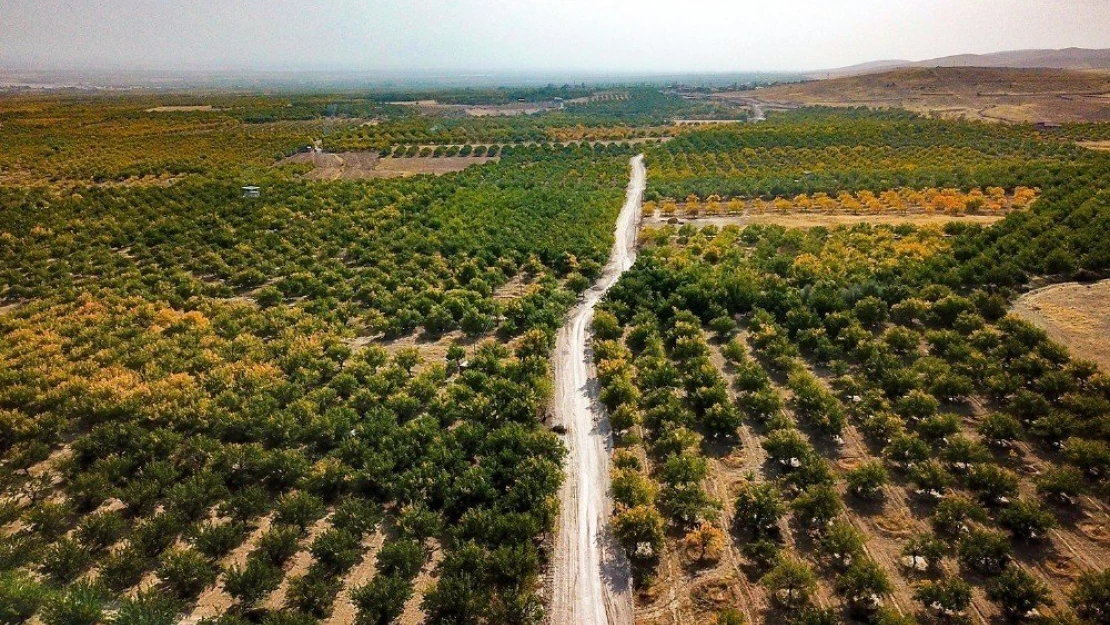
(363,165)
(1075,315)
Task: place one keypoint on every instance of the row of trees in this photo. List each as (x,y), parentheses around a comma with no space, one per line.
(952,201)
(902,351)
(819,151)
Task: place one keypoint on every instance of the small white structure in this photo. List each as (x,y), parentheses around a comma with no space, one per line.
(250,191)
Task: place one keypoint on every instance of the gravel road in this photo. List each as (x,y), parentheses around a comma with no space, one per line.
(592,583)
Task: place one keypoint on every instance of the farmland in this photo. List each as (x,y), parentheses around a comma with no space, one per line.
(333,403)
(322,404)
(841,421)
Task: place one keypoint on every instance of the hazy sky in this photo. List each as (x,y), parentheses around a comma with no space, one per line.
(506,35)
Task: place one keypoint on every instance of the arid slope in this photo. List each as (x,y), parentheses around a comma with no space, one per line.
(997,94)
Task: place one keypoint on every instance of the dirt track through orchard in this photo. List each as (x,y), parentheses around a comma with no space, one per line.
(591,578)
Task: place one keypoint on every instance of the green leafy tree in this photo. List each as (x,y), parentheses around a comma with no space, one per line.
(253,582)
(1018,593)
(381,601)
(20,596)
(945,598)
(867,480)
(758,508)
(791,584)
(863,585)
(1027,520)
(148,607)
(186,572)
(640,531)
(1090,597)
(81,603)
(985,551)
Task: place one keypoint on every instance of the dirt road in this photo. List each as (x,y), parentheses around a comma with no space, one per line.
(592,583)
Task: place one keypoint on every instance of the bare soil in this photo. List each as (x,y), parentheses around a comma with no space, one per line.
(298,564)
(363,165)
(413,613)
(1074,315)
(992,94)
(591,581)
(182,109)
(809,220)
(344,611)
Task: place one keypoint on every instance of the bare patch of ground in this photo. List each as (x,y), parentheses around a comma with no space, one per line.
(362,165)
(182,109)
(993,94)
(432,107)
(215,601)
(344,612)
(1074,315)
(414,613)
(1096,145)
(298,564)
(394,167)
(809,220)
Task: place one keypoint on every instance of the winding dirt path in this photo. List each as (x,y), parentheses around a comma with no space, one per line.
(591,579)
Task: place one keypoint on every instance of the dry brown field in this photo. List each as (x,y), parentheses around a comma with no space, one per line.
(1073,314)
(992,94)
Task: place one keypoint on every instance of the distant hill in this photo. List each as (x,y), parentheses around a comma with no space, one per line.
(987,93)
(1068,58)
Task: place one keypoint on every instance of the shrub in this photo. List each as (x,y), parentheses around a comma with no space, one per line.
(186,572)
(985,551)
(357,516)
(382,600)
(65,560)
(314,592)
(278,544)
(953,514)
(123,568)
(1062,485)
(763,554)
(605,325)
(299,509)
(246,504)
(100,530)
(1027,519)
(82,603)
(216,540)
(401,558)
(1017,593)
(791,584)
(20,596)
(640,531)
(863,585)
(336,550)
(49,519)
(992,483)
(251,583)
(867,480)
(149,607)
(924,547)
(1090,597)
(816,506)
(707,541)
(632,488)
(945,598)
(1000,428)
(842,544)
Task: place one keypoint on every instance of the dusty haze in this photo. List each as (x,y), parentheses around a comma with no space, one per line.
(502,35)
